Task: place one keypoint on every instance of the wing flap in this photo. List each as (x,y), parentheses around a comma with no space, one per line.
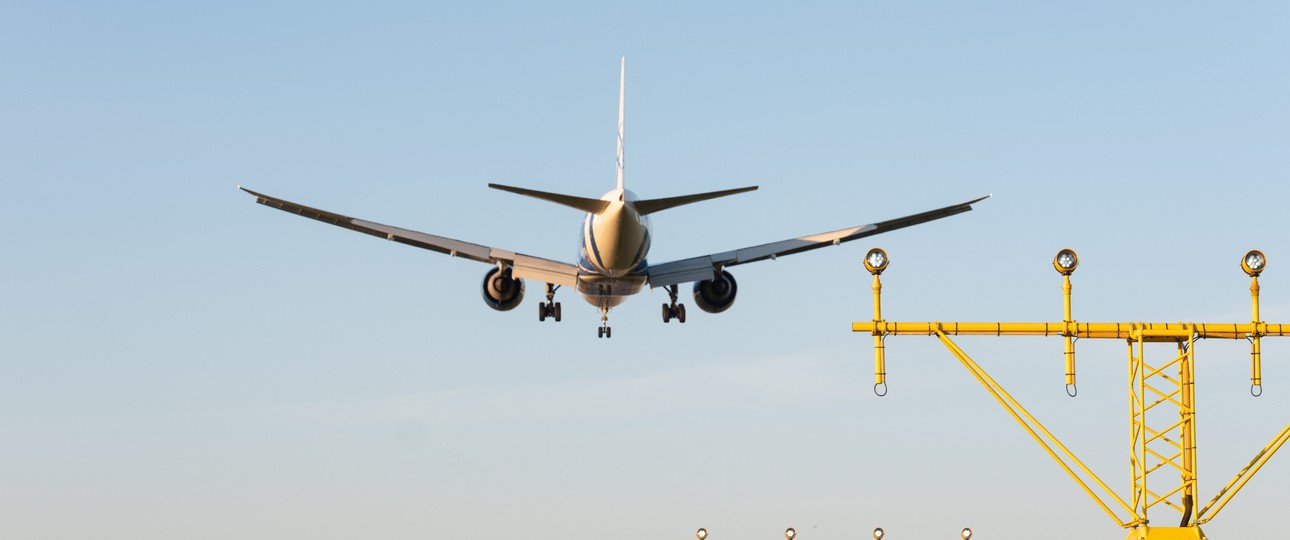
(544,270)
(682,271)
(448,246)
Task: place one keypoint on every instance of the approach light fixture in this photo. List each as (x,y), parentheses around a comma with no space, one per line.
(876,261)
(1254,262)
(790,533)
(966,533)
(877,533)
(702,533)
(1066,261)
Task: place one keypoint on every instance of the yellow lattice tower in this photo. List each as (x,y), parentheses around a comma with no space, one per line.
(1162,398)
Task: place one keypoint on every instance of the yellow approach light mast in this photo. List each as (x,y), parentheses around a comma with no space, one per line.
(1162,397)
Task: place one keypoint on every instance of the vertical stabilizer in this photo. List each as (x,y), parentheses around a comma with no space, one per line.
(622,82)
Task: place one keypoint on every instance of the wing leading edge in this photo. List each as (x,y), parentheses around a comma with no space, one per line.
(703,267)
(522,266)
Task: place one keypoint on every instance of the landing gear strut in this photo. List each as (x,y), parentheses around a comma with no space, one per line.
(550,308)
(673,310)
(603,331)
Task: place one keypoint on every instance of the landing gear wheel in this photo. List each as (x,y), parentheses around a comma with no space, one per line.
(673,310)
(607,333)
(549,308)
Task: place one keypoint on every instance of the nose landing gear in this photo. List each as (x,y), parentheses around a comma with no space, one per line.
(550,308)
(673,310)
(603,331)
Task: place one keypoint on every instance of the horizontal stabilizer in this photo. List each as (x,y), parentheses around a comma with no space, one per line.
(649,206)
(594,206)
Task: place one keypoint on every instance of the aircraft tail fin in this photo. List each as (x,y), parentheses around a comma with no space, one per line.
(649,206)
(594,206)
(622,84)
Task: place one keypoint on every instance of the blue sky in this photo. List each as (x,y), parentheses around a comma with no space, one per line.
(176,361)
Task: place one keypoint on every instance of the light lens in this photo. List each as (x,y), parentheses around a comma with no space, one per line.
(875,261)
(1254,260)
(877,533)
(1066,261)
(790,533)
(701,533)
(966,533)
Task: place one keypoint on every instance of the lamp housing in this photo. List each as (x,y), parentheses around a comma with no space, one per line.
(875,261)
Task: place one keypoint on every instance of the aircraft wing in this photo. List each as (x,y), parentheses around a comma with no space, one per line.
(522,266)
(704,267)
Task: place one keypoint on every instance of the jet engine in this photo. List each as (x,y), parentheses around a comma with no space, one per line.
(716,295)
(501,291)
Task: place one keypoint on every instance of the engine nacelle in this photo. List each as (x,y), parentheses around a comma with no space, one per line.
(716,295)
(501,291)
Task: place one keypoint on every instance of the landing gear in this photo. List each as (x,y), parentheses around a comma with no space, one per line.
(673,310)
(604,331)
(550,308)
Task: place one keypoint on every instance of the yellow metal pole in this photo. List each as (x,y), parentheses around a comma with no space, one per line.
(1256,372)
(1187,412)
(1071,389)
(879,362)
(1140,425)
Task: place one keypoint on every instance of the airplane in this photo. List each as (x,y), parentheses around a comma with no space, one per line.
(616,238)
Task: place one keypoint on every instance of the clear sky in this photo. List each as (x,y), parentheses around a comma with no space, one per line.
(178,362)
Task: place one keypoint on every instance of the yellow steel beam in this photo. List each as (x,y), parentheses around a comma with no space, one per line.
(1150,331)
(1244,476)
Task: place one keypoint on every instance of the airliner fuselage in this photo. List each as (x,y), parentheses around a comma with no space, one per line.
(615,242)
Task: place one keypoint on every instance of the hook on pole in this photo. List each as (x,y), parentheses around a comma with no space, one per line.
(882,393)
(1256,390)
(1072,390)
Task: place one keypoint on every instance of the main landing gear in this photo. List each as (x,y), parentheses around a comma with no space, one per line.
(603,331)
(550,308)
(673,310)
